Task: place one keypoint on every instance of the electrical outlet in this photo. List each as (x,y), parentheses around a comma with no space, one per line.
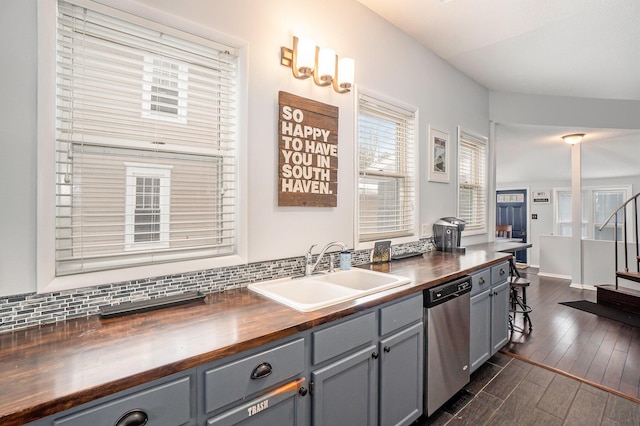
(426,230)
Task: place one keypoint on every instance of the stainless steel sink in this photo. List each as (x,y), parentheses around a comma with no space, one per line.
(319,291)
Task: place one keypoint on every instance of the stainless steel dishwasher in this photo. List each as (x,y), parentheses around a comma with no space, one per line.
(447,330)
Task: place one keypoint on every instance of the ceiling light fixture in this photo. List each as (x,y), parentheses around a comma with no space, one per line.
(306,59)
(573,138)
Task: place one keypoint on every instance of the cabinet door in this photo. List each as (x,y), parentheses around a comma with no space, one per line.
(281,407)
(480,323)
(345,392)
(401,376)
(499,316)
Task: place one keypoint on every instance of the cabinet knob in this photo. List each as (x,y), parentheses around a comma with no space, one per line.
(502,272)
(481,281)
(374,355)
(261,371)
(302,391)
(136,417)
(387,349)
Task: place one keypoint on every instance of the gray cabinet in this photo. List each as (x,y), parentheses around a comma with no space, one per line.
(499,316)
(169,401)
(281,406)
(344,372)
(365,369)
(489,313)
(363,377)
(480,337)
(401,376)
(258,387)
(344,392)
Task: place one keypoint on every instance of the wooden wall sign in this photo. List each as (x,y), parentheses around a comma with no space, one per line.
(307,152)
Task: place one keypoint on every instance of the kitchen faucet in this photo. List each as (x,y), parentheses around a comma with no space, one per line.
(308,261)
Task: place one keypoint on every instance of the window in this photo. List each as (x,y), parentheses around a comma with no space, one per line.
(165,94)
(386,181)
(563,215)
(597,204)
(472,181)
(605,202)
(145,143)
(147,206)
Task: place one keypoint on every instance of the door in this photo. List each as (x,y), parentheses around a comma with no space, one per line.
(345,393)
(400,382)
(511,209)
(499,316)
(480,329)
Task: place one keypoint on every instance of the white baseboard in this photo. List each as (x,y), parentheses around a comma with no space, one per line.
(583,286)
(546,274)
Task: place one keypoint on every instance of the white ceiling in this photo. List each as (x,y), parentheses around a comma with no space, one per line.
(605,153)
(578,48)
(582,48)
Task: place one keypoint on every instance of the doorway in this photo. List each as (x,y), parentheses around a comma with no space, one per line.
(511,209)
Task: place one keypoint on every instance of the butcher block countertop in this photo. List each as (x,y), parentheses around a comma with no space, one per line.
(50,368)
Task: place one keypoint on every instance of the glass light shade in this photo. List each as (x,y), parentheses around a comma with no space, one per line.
(306,56)
(326,64)
(573,139)
(346,70)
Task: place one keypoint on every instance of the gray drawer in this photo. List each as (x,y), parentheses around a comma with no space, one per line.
(232,382)
(400,314)
(278,407)
(480,281)
(342,338)
(499,273)
(167,404)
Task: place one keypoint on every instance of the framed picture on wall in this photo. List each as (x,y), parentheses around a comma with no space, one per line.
(439,153)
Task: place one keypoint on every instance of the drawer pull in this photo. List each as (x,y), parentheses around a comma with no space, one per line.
(135,417)
(502,272)
(481,281)
(261,371)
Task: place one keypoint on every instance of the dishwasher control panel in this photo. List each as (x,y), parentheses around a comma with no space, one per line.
(447,291)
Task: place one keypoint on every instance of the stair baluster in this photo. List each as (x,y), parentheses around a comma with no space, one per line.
(623,298)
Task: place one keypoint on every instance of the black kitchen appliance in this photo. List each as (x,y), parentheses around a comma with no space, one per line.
(447,233)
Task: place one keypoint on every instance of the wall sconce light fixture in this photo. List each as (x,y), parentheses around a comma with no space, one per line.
(306,59)
(573,139)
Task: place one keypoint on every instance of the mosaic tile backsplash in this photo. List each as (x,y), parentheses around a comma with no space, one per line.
(24,310)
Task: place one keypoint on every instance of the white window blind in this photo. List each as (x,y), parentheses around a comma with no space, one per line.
(472,181)
(386,184)
(597,203)
(563,212)
(130,92)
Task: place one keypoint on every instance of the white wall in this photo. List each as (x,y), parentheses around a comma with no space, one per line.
(555,260)
(17,146)
(387,61)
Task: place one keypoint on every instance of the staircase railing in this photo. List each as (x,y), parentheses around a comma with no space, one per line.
(626,274)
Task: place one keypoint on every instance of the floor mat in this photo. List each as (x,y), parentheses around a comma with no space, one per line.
(458,401)
(605,311)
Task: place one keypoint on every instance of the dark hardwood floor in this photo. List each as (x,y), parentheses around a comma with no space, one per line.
(595,349)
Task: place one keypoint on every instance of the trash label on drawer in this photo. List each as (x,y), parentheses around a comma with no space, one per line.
(255,409)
